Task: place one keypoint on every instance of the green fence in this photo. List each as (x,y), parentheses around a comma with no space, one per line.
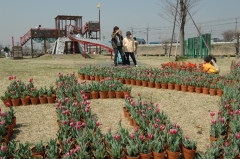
(195,47)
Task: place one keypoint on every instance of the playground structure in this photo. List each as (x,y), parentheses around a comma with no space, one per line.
(196,47)
(68,36)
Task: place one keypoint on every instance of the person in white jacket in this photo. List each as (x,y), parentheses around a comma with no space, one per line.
(129,48)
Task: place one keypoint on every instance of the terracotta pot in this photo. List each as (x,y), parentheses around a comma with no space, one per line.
(212,138)
(43,100)
(127,81)
(51,100)
(14,121)
(198,90)
(16,102)
(103,95)
(124,157)
(219,92)
(101,78)
(191,89)
(129,157)
(87,94)
(81,76)
(37,154)
(5,137)
(94,95)
(131,122)
(157,155)
(122,80)
(11,126)
(7,101)
(138,83)
(97,78)
(34,100)
(172,155)
(164,85)
(87,77)
(170,86)
(25,101)
(188,154)
(158,85)
(111,94)
(184,88)
(133,82)
(212,92)
(205,90)
(151,84)
(119,94)
(92,78)
(144,83)
(125,112)
(177,87)
(8,131)
(125,94)
(145,156)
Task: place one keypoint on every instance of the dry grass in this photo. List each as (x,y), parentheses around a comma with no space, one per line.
(38,122)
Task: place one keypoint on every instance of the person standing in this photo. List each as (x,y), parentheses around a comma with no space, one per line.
(129,48)
(136,46)
(117,45)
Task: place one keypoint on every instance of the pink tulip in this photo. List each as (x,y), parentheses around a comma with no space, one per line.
(144,115)
(78,127)
(97,123)
(156,105)
(221,120)
(78,148)
(83,124)
(3,147)
(81,92)
(158,120)
(187,137)
(3,114)
(64,122)
(86,110)
(68,141)
(32,89)
(157,110)
(30,80)
(67,154)
(71,124)
(214,121)
(2,122)
(219,112)
(72,151)
(132,136)
(78,123)
(88,101)
(141,137)
(135,129)
(8,104)
(150,136)
(10,78)
(139,94)
(212,113)
(116,137)
(173,131)
(162,127)
(67,100)
(155,125)
(231,113)
(237,136)
(237,111)
(75,103)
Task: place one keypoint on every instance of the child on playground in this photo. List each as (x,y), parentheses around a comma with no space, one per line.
(208,67)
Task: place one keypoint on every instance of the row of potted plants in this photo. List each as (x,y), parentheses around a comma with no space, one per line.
(18,93)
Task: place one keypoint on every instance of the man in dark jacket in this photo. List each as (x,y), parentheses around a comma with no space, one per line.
(117,45)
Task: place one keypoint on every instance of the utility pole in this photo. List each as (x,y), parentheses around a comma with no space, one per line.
(237,34)
(147,32)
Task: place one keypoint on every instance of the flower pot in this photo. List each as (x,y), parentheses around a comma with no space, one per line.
(188,154)
(191,89)
(5,137)
(205,90)
(14,121)
(157,155)
(126,94)
(158,85)
(119,94)
(37,154)
(212,92)
(131,122)
(129,157)
(103,95)
(145,156)
(7,101)
(127,81)
(219,92)
(177,87)
(125,112)
(101,78)
(172,155)
(144,83)
(198,90)
(92,78)
(170,86)
(87,94)
(81,76)
(138,83)
(111,94)
(213,138)
(94,95)
(34,100)
(124,157)
(164,85)
(96,78)
(133,82)
(43,100)
(122,80)
(184,88)
(16,102)
(87,77)
(25,101)
(151,84)
(51,100)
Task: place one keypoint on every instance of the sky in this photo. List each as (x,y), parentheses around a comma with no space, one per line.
(18,16)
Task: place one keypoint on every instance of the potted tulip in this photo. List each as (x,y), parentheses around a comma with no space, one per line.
(126,90)
(220,87)
(52,150)
(100,152)
(146,147)
(218,128)
(94,87)
(25,98)
(16,100)
(34,96)
(213,89)
(42,97)
(158,148)
(23,151)
(132,149)
(230,150)
(81,152)
(173,141)
(116,150)
(38,150)
(6,98)
(189,147)
(103,90)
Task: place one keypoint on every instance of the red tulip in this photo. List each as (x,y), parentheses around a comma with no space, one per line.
(162,127)
(214,121)
(141,137)
(150,136)
(83,124)
(212,113)
(97,123)
(155,125)
(3,147)
(78,148)
(64,122)
(221,120)
(116,137)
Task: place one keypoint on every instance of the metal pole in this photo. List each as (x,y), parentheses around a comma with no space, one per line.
(173,30)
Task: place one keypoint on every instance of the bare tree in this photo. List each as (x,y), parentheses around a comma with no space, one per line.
(169,8)
(228,35)
(200,30)
(237,35)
